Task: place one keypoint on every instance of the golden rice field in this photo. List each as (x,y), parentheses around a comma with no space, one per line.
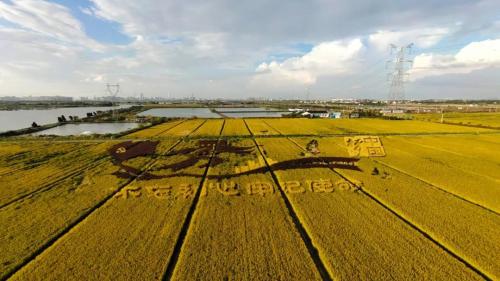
(255,199)
(482,119)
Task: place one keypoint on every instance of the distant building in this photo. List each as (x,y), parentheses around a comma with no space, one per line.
(335,115)
(316,114)
(391,111)
(354,115)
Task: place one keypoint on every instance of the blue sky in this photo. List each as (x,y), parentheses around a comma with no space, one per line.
(247,49)
(104,31)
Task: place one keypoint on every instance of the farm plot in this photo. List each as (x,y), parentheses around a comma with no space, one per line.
(241,228)
(235,127)
(481,147)
(26,154)
(11,148)
(440,214)
(379,126)
(209,128)
(357,238)
(37,169)
(259,128)
(477,181)
(132,236)
(183,129)
(469,119)
(302,126)
(155,130)
(32,223)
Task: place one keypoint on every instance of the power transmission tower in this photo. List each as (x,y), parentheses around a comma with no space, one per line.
(113,90)
(398,74)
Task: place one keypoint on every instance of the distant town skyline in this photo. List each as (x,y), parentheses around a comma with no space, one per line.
(248,49)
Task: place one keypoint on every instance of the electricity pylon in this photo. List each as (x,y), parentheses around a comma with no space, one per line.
(113,90)
(398,74)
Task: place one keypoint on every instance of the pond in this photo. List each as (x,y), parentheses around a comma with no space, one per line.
(235,109)
(19,119)
(180,112)
(87,129)
(255,114)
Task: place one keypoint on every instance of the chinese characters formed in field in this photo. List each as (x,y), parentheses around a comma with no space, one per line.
(364,146)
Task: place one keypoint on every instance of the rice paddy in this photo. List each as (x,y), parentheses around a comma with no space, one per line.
(255,199)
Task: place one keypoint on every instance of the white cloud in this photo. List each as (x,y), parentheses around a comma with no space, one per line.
(422,38)
(50,19)
(474,56)
(328,58)
(180,46)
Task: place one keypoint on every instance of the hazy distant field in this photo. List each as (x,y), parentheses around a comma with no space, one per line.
(257,199)
(473,119)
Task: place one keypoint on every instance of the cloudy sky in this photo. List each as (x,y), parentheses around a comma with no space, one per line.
(235,49)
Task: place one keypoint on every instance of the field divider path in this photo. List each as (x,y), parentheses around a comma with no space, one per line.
(409,223)
(306,238)
(435,186)
(169,270)
(87,213)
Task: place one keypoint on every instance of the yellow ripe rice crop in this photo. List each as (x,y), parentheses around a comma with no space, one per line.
(303,126)
(235,127)
(475,180)
(23,155)
(260,128)
(42,169)
(485,119)
(380,126)
(154,131)
(267,199)
(133,235)
(211,127)
(357,238)
(241,229)
(481,147)
(35,220)
(183,129)
(423,205)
